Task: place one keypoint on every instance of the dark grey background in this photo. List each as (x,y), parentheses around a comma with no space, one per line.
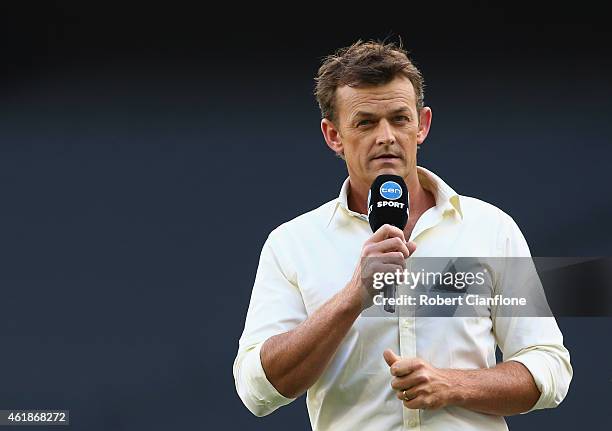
(146,153)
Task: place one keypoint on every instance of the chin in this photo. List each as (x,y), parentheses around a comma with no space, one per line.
(388,170)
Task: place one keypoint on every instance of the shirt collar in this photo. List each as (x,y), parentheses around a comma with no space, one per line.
(446,198)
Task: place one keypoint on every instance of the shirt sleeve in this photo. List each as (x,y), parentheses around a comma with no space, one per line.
(536,342)
(276,307)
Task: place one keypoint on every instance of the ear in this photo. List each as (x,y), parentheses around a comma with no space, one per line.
(332,137)
(424,124)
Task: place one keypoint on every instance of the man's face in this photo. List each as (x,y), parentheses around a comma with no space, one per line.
(377,129)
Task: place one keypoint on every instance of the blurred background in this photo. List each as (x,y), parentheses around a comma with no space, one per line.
(125,271)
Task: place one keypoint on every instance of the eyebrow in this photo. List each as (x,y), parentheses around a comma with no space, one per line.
(362,114)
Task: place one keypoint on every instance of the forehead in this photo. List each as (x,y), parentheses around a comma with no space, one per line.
(393,95)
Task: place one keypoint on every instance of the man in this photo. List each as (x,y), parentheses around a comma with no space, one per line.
(304,330)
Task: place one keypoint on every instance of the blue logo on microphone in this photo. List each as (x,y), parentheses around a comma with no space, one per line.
(391,190)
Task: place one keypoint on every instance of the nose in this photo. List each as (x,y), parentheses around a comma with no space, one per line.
(385,133)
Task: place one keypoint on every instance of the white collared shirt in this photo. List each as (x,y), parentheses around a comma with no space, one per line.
(307,260)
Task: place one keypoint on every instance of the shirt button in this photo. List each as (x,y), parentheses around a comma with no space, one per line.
(405,323)
(412,423)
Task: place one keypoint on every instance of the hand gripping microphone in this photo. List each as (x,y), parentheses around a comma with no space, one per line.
(388,203)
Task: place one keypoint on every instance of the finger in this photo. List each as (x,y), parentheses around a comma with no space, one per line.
(387,231)
(407,394)
(408,381)
(394,258)
(390,245)
(391,265)
(416,403)
(390,357)
(406,366)
(411,247)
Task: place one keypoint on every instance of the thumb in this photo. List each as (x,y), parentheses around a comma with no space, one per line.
(390,357)
(411,247)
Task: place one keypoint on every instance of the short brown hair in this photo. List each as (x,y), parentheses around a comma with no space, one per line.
(363,64)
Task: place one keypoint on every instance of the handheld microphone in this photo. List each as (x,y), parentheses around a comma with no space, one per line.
(388,203)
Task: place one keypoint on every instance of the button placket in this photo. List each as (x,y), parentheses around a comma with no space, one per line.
(406,323)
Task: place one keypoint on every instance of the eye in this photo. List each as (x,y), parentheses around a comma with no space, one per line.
(401,119)
(363,123)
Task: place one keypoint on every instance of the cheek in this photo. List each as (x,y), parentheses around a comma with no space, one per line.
(356,150)
(409,139)
(411,133)
(357,157)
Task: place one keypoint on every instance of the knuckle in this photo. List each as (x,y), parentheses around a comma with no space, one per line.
(382,268)
(398,256)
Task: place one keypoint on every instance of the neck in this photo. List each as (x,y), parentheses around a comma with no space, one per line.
(420,199)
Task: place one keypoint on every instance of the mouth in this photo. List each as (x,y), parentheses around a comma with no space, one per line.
(386,157)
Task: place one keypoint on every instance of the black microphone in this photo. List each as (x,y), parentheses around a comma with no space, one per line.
(388,203)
